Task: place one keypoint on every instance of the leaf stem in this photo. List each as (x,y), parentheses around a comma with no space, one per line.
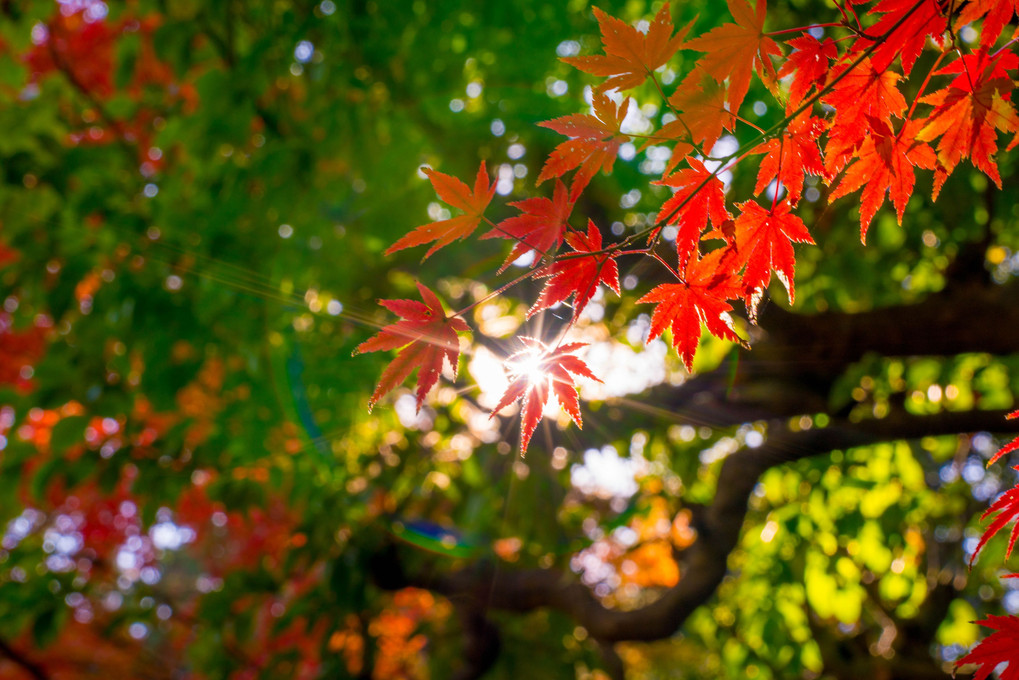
(498,291)
(923,86)
(679,116)
(518,239)
(747,122)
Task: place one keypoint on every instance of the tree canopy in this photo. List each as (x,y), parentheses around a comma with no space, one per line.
(213,463)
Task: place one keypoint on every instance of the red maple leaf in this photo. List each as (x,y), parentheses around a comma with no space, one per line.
(426,335)
(85,50)
(578,275)
(792,155)
(593,144)
(539,227)
(700,101)
(459,195)
(630,56)
(862,94)
(885,163)
(1007,507)
(968,113)
(808,65)
(700,298)
(865,91)
(699,196)
(904,27)
(764,241)
(536,371)
(1011,446)
(997,648)
(735,51)
(996,14)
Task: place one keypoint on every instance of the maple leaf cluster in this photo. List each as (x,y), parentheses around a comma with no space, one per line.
(81,45)
(847,123)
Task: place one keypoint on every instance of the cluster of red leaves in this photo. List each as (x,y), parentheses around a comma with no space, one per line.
(298,637)
(228,540)
(103,519)
(864,140)
(82,47)
(20,349)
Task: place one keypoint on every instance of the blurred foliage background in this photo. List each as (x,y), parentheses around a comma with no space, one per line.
(194,204)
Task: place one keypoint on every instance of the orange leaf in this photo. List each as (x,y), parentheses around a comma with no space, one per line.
(702,113)
(426,335)
(459,195)
(996,13)
(734,51)
(630,56)
(971,109)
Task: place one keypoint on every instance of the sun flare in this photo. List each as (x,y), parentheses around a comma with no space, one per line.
(529,365)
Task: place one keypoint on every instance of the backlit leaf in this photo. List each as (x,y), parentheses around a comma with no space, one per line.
(535,372)
(969,112)
(700,298)
(885,164)
(735,51)
(593,144)
(699,198)
(426,336)
(540,226)
(460,196)
(578,276)
(764,240)
(630,56)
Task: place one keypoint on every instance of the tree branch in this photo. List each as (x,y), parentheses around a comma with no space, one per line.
(489,585)
(793,367)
